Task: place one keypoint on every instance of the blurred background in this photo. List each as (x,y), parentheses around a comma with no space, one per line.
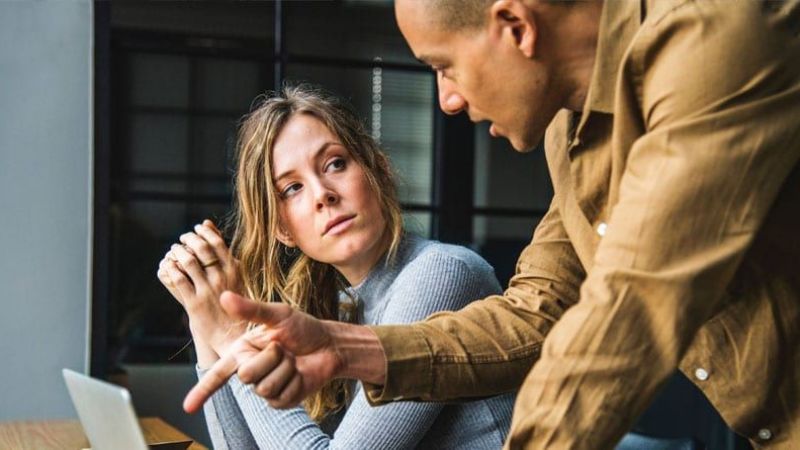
(182,74)
(118,123)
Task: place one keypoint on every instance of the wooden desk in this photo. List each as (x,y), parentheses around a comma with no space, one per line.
(68,434)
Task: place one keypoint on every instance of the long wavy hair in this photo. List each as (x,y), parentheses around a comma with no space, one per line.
(273,272)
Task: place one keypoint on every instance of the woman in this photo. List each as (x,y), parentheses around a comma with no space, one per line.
(318,226)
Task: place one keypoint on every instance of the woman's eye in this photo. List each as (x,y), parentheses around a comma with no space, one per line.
(337,164)
(290,190)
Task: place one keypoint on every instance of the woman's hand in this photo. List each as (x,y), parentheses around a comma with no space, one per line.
(196,273)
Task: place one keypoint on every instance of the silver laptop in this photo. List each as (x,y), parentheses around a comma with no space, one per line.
(106,413)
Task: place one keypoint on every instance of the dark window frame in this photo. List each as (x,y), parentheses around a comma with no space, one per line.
(451,206)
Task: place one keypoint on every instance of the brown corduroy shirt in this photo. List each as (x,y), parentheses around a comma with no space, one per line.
(673,240)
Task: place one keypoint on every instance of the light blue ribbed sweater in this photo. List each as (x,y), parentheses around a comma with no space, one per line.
(426,277)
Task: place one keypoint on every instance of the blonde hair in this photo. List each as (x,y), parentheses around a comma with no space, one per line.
(271,271)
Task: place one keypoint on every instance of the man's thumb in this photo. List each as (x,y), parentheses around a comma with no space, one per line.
(243,308)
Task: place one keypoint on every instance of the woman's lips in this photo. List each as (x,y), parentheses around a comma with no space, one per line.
(338,225)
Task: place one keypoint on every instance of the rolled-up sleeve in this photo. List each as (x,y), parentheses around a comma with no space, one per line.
(717,97)
(488,347)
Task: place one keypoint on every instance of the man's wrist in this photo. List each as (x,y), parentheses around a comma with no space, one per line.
(360,352)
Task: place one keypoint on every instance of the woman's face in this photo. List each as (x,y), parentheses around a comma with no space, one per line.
(326,205)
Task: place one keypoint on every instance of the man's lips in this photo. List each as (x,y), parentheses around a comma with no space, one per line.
(337,222)
(493,130)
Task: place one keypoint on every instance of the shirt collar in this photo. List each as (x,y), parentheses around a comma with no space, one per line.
(619,22)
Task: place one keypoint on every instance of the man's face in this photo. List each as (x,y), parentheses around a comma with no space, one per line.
(482,73)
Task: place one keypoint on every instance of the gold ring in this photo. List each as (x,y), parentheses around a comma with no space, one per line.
(209,264)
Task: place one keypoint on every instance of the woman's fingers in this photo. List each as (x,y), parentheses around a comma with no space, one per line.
(230,266)
(179,281)
(212,225)
(190,265)
(162,275)
(202,250)
(213,237)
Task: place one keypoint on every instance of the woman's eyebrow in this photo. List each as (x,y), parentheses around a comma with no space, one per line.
(316,156)
(324,147)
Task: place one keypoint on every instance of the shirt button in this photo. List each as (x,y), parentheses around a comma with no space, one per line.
(601,229)
(701,374)
(764,434)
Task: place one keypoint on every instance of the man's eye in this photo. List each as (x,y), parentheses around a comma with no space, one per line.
(444,73)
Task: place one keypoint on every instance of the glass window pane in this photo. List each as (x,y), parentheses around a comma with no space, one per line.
(157,220)
(505,178)
(159,182)
(500,241)
(166,220)
(405,126)
(142,312)
(214,145)
(230,84)
(418,222)
(351,84)
(159,80)
(208,187)
(494,228)
(158,142)
(396,105)
(253,19)
(350,29)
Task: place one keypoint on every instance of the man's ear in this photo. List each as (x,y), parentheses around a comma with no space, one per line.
(513,22)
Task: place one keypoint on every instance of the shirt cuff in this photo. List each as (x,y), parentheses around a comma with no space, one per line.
(409,361)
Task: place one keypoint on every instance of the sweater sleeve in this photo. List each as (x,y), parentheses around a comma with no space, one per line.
(226,425)
(432,282)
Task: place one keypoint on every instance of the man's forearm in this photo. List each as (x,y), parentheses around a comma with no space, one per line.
(360,352)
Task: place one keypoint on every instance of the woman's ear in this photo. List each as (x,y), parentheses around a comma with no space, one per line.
(513,22)
(284,237)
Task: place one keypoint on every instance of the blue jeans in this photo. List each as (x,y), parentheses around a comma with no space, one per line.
(633,441)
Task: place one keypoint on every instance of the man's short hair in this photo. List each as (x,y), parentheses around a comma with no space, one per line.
(459,14)
(465,14)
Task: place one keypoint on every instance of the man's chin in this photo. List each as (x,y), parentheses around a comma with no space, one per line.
(530,140)
(523,145)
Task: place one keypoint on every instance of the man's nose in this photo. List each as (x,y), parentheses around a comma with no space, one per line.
(450,100)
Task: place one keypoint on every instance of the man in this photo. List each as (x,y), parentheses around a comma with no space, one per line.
(670,241)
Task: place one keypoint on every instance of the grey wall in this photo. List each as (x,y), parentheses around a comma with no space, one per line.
(45,201)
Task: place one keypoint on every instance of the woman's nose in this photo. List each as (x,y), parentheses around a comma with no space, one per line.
(327,197)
